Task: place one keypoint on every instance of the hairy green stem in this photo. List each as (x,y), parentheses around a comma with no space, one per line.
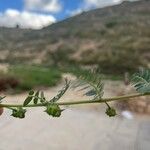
(104,100)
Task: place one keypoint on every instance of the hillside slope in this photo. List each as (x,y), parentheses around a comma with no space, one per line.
(115,38)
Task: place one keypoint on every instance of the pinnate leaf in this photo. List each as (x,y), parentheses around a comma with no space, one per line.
(141,81)
(29,98)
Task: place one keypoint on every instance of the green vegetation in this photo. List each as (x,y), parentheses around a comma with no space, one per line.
(28,77)
(77,70)
(111,24)
(23,77)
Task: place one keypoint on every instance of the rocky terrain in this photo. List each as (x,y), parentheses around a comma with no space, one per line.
(115,37)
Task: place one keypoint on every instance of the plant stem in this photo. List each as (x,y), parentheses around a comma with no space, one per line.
(104,100)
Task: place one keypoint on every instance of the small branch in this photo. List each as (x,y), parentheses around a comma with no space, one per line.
(118,98)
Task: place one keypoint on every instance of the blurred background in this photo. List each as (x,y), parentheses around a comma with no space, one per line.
(44,41)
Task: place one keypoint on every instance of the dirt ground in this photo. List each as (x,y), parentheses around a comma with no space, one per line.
(80,127)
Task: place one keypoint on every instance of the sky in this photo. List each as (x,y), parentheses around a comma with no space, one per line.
(36,14)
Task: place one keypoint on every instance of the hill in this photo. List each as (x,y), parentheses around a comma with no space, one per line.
(116,38)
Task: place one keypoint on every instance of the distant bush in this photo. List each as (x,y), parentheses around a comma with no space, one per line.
(8,83)
(60,56)
(111,24)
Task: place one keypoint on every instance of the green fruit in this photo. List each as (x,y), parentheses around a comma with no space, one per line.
(53,110)
(111,112)
(19,112)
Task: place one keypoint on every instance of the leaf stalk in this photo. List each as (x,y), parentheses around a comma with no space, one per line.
(71,102)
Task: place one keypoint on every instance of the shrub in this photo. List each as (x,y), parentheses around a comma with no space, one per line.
(29,77)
